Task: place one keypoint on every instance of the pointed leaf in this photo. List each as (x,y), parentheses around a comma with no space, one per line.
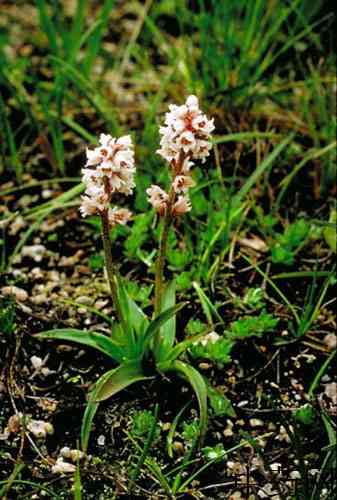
(134,316)
(107,385)
(207,305)
(168,330)
(160,321)
(119,378)
(138,318)
(88,417)
(91,339)
(199,387)
(180,348)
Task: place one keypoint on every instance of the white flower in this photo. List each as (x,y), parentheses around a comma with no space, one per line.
(119,216)
(187,130)
(182,183)
(182,206)
(89,206)
(110,169)
(158,198)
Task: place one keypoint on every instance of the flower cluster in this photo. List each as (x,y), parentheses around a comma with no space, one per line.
(185,137)
(110,169)
(186,129)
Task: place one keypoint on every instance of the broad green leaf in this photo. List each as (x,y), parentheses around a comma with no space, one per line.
(160,321)
(133,314)
(199,387)
(118,379)
(91,339)
(179,349)
(168,330)
(137,317)
(106,386)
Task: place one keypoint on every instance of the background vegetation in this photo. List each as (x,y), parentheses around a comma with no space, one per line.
(255,258)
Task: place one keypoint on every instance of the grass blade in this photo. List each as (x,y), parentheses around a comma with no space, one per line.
(207,305)
(261,169)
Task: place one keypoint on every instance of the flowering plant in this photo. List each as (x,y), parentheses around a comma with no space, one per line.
(136,338)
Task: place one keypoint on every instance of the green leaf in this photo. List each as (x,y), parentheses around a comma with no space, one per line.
(117,379)
(107,385)
(168,330)
(179,349)
(215,453)
(218,351)
(134,316)
(208,307)
(96,262)
(88,417)
(220,404)
(91,339)
(330,234)
(267,163)
(296,233)
(160,321)
(250,326)
(305,414)
(199,387)
(282,255)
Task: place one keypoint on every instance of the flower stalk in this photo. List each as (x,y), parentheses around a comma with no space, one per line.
(111,269)
(110,169)
(159,280)
(185,138)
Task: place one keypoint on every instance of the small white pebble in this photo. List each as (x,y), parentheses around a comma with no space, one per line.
(295,474)
(83,299)
(256,422)
(40,429)
(101,440)
(276,467)
(331,392)
(330,340)
(62,467)
(35,252)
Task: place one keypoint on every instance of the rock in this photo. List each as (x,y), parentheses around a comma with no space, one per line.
(72,455)
(16,226)
(71,261)
(331,392)
(62,467)
(19,293)
(40,429)
(295,474)
(101,440)
(330,341)
(256,422)
(83,299)
(35,252)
